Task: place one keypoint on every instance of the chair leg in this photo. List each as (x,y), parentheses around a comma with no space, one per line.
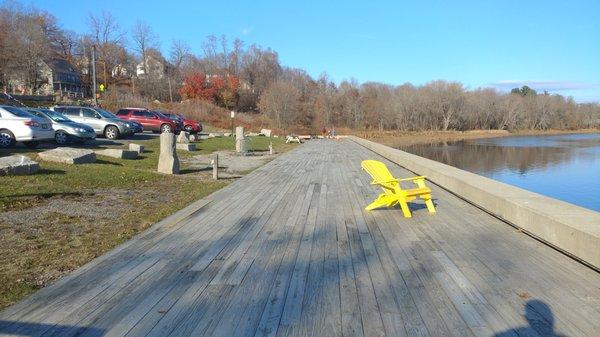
(429,203)
(382,200)
(405,209)
(430,206)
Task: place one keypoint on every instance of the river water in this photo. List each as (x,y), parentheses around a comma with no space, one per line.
(565,167)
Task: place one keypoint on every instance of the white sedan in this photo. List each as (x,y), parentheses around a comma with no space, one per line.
(17,125)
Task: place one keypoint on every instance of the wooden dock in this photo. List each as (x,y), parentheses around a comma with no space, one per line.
(288,251)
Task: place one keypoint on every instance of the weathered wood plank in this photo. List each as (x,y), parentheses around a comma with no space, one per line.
(289,251)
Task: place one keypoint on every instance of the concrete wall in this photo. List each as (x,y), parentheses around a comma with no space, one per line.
(572,229)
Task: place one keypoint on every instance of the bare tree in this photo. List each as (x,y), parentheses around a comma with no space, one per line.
(235,57)
(144,39)
(109,38)
(179,52)
(281,102)
(211,55)
(224,57)
(104,28)
(26,47)
(260,67)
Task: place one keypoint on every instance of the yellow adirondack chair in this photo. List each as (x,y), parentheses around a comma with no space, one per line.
(392,190)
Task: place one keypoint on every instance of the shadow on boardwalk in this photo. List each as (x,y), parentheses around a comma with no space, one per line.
(541,322)
(9,328)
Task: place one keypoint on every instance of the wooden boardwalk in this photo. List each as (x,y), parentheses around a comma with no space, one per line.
(289,251)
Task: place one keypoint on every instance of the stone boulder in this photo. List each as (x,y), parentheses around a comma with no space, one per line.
(118,153)
(168,162)
(18,165)
(215,134)
(193,137)
(293,139)
(186,147)
(183,138)
(239,132)
(136,147)
(68,155)
(265,132)
(241,145)
(227,134)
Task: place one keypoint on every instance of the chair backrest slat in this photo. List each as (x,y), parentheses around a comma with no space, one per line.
(377,170)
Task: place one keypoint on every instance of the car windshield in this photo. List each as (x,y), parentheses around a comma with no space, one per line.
(161,115)
(18,112)
(104,113)
(55,116)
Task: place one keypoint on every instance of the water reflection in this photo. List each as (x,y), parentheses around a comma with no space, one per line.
(565,167)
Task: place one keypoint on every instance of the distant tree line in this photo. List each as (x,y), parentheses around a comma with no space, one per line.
(251,79)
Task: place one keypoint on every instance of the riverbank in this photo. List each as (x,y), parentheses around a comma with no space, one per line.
(397,139)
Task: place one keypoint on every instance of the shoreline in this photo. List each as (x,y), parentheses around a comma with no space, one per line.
(396,139)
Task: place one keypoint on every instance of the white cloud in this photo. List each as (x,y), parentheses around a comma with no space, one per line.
(247,30)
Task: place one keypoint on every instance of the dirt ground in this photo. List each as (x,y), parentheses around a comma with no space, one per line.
(45,238)
(231,164)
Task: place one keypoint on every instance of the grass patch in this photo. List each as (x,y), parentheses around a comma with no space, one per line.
(258,143)
(65,215)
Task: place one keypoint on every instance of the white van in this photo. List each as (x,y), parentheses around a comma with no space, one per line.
(17,125)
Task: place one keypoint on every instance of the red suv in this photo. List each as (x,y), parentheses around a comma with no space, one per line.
(151,120)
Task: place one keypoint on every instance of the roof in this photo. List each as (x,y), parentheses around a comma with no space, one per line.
(63,66)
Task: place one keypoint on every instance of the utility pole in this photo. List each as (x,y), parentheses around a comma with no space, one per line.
(170,91)
(94,74)
(104,69)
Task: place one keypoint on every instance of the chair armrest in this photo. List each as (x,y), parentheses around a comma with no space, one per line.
(412,178)
(378,182)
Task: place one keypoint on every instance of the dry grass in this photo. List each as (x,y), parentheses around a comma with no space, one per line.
(405,138)
(207,113)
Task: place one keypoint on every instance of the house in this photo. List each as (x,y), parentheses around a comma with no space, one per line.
(153,67)
(55,77)
(119,71)
(66,79)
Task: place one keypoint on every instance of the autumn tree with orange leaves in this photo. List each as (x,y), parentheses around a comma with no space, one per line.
(217,89)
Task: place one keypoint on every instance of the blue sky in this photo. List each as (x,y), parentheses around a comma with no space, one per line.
(548,45)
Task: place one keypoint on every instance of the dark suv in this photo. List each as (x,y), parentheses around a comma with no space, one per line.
(189,125)
(151,120)
(178,122)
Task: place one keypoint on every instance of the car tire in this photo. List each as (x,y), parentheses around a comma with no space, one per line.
(61,137)
(165,128)
(31,144)
(7,139)
(189,129)
(111,132)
